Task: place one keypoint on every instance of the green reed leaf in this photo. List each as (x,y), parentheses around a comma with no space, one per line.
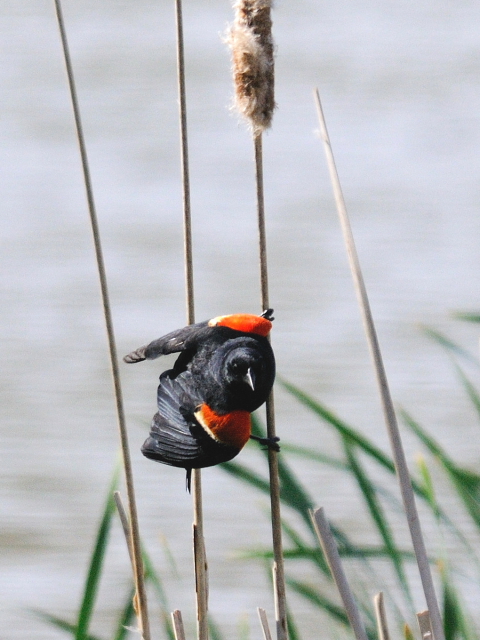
(449,345)
(126,618)
(96,561)
(378,516)
(60,623)
(315,597)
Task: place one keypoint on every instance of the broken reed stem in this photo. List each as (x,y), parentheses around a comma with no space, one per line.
(178,627)
(127,465)
(381,617)
(200,563)
(200,558)
(387,404)
(262,614)
(279,583)
(425,625)
(330,550)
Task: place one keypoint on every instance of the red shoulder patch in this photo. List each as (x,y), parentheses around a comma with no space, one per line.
(246,322)
(232,429)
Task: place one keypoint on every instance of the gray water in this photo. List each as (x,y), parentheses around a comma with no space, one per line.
(400,87)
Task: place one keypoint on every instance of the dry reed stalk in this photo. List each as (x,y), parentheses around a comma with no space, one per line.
(381,617)
(178,627)
(200,563)
(330,550)
(262,614)
(251,43)
(387,403)
(425,625)
(141,598)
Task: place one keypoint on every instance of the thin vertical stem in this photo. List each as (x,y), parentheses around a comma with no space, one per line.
(381,616)
(333,558)
(198,539)
(187,218)
(178,628)
(135,535)
(279,583)
(262,237)
(425,625)
(200,558)
(387,404)
(262,614)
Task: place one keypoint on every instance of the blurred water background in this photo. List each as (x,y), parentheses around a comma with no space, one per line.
(400,86)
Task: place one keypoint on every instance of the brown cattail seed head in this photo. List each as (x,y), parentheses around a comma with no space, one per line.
(251,42)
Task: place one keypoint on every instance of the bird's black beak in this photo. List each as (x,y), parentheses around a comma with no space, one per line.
(249,378)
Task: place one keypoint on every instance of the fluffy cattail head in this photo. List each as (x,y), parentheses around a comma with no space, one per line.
(251,42)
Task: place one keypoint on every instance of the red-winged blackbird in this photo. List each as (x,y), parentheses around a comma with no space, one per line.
(225,370)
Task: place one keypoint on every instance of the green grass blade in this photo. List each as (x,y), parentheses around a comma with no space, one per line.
(60,623)
(341,427)
(313,595)
(407,632)
(466,483)
(449,345)
(470,389)
(455,621)
(378,516)
(292,492)
(467,316)
(313,554)
(241,472)
(429,487)
(126,618)
(214,629)
(316,456)
(316,553)
(96,562)
(346,431)
(152,577)
(293,632)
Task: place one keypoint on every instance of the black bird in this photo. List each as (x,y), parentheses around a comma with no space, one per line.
(225,370)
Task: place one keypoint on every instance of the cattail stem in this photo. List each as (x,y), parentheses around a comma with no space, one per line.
(279,582)
(252,49)
(386,399)
(200,562)
(127,465)
(262,236)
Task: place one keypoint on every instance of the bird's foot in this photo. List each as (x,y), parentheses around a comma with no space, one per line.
(270,443)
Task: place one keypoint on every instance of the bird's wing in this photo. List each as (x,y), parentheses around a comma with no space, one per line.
(179,340)
(176,438)
(171,440)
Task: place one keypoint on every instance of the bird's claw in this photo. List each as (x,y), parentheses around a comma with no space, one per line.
(270,443)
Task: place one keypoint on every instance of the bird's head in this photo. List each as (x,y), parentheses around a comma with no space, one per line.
(239,374)
(243,366)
